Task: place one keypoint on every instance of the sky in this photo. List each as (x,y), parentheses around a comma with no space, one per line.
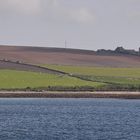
(84,24)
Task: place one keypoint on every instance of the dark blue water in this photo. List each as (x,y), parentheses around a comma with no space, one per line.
(69,119)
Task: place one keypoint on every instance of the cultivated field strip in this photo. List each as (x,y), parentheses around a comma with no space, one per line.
(62,56)
(6,64)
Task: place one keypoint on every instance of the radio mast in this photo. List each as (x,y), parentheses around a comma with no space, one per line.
(65,44)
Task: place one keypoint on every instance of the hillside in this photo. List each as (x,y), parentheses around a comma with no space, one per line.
(61,56)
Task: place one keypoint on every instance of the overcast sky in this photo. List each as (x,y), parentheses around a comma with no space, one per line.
(86,24)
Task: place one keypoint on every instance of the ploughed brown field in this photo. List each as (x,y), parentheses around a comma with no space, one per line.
(62,56)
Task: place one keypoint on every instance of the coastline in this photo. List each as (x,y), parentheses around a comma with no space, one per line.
(56,94)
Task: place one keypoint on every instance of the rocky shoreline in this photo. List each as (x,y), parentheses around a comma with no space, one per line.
(50,94)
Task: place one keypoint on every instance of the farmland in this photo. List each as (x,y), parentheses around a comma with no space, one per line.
(120,76)
(62,56)
(98,71)
(75,78)
(67,69)
(12,79)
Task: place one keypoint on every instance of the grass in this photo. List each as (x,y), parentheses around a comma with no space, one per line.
(113,80)
(11,79)
(98,78)
(123,76)
(99,71)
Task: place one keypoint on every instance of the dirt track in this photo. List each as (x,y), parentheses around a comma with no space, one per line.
(38,55)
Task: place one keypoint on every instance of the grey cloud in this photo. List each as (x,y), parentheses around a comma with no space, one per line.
(98,23)
(51,9)
(20,6)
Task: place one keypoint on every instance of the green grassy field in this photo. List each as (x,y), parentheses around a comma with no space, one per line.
(123,76)
(98,71)
(97,78)
(11,79)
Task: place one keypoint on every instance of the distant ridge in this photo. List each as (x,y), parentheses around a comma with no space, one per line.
(66,56)
(118,50)
(49,49)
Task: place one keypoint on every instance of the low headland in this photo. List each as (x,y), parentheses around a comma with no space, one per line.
(33,72)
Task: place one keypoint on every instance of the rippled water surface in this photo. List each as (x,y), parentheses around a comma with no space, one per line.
(69,119)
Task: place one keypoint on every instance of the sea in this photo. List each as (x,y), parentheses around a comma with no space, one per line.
(69,119)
